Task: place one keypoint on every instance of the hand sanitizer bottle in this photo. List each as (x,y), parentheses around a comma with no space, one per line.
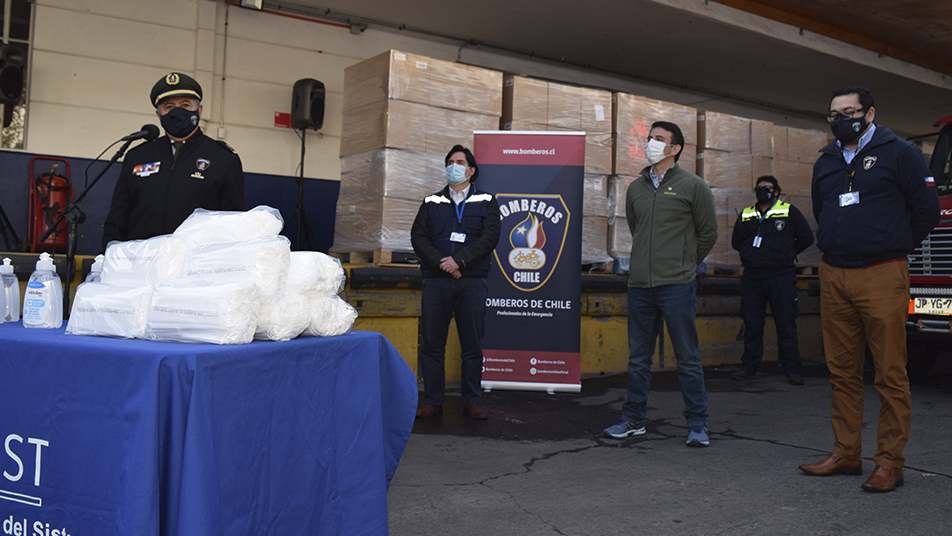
(95,271)
(11,291)
(43,300)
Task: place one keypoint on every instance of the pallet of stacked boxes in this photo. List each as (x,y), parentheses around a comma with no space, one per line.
(402,113)
(795,152)
(539,105)
(632,117)
(732,153)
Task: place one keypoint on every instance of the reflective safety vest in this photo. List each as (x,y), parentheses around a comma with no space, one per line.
(778,210)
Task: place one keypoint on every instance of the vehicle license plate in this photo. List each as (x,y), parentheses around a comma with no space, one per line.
(932,306)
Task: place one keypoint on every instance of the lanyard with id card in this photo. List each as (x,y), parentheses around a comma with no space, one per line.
(850,197)
(454,236)
(760,221)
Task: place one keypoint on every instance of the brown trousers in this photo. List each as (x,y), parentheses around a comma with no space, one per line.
(859,306)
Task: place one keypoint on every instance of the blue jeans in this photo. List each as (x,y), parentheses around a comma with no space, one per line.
(646,308)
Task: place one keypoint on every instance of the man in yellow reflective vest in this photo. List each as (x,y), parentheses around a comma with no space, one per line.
(769,236)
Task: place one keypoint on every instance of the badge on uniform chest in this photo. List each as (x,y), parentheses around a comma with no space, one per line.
(458,237)
(202,165)
(144,170)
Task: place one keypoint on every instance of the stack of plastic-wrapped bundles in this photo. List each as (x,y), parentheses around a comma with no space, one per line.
(221,277)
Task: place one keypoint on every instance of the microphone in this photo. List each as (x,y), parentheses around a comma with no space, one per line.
(148,132)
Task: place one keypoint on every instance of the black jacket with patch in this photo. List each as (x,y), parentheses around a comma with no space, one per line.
(153,198)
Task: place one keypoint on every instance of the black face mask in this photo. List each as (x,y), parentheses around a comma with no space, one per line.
(848,130)
(179,122)
(764,194)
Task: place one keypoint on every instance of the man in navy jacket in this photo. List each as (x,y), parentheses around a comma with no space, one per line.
(454,234)
(874,199)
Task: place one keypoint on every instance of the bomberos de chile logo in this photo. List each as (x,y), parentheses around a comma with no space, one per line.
(536,226)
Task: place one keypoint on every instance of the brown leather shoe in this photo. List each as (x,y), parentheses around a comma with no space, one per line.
(429,410)
(475,411)
(832,465)
(884,479)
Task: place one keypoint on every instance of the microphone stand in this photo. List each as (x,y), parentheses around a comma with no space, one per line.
(75,216)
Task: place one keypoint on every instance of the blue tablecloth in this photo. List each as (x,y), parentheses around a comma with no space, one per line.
(128,437)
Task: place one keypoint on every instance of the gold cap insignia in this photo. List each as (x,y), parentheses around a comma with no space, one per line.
(172,79)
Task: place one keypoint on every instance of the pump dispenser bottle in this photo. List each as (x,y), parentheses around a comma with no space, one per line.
(43,300)
(95,271)
(11,292)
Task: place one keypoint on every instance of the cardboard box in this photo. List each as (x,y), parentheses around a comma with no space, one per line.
(617,190)
(390,173)
(794,177)
(632,117)
(730,202)
(722,169)
(536,105)
(805,205)
(413,78)
(619,239)
(377,224)
(595,195)
(398,124)
(525,102)
(725,132)
(594,239)
(804,145)
(780,142)
(557,106)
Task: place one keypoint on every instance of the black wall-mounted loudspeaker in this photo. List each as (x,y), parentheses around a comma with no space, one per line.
(307,104)
(12,60)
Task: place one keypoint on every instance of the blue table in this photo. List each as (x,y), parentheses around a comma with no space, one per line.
(126,437)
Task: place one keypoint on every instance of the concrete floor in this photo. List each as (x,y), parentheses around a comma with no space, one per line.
(539,465)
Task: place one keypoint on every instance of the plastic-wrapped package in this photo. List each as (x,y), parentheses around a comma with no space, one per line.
(400,124)
(206,227)
(594,239)
(416,78)
(110,311)
(330,315)
(217,312)
(379,224)
(284,318)
(315,272)
(264,261)
(595,195)
(139,263)
(410,175)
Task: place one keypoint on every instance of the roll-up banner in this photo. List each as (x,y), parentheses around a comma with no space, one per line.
(533,314)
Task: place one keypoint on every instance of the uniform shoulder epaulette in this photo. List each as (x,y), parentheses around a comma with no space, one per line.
(226,146)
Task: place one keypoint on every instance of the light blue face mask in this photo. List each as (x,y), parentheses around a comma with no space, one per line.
(455,174)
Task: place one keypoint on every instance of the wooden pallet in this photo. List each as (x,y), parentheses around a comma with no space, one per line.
(811,270)
(598,267)
(378,257)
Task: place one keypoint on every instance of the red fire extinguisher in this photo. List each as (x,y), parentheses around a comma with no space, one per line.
(50,192)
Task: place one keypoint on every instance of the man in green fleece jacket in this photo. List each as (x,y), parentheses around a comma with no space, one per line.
(673,226)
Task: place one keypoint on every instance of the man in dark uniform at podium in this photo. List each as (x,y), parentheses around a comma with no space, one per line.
(164,180)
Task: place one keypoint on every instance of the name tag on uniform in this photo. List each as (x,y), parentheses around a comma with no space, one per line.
(757,240)
(457,237)
(849,198)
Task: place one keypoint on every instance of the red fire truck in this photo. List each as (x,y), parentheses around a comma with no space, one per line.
(929,328)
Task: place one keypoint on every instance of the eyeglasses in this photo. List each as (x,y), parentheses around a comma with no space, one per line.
(845,114)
